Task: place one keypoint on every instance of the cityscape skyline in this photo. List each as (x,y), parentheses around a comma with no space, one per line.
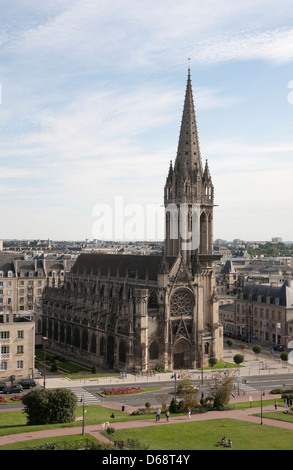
(91,105)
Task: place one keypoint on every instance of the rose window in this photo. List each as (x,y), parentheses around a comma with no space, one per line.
(182,303)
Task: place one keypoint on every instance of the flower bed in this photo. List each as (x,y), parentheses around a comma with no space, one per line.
(3,400)
(16,398)
(122,391)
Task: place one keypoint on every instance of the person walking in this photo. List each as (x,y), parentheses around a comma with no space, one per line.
(276,405)
(189,413)
(158,414)
(167,416)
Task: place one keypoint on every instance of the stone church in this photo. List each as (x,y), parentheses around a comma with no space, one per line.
(136,312)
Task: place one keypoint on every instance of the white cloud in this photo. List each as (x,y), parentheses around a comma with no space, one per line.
(272,45)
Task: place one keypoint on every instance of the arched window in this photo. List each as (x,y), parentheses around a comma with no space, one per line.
(84,340)
(122,352)
(102,347)
(76,339)
(93,344)
(153,301)
(154,350)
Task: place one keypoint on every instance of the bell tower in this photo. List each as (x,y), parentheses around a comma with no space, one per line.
(189,193)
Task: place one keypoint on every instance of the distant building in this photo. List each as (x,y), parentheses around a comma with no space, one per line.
(277,240)
(17,347)
(265,313)
(22,281)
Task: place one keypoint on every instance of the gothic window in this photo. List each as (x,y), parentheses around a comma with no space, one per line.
(122,352)
(76,338)
(182,303)
(154,350)
(62,333)
(68,335)
(84,340)
(56,331)
(102,347)
(153,301)
(93,344)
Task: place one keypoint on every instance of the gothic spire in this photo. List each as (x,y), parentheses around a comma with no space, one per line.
(188,152)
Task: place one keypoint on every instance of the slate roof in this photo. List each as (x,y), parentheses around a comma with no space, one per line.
(228,268)
(143,265)
(284,293)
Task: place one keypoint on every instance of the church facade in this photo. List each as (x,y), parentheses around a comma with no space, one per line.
(136,312)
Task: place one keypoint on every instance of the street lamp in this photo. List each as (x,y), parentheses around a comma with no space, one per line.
(45,339)
(261,421)
(175,376)
(83,414)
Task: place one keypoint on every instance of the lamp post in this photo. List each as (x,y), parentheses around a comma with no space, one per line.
(45,339)
(83,414)
(261,420)
(175,376)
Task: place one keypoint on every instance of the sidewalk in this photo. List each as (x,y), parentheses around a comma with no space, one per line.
(253,365)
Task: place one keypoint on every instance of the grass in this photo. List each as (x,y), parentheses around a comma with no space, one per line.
(223,365)
(278,415)
(206,435)
(190,435)
(32,443)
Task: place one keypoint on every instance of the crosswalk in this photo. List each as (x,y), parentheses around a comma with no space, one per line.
(244,387)
(88,397)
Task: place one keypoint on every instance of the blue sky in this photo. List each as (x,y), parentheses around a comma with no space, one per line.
(92,97)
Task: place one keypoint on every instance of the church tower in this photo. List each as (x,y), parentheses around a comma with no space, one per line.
(189,193)
(194,328)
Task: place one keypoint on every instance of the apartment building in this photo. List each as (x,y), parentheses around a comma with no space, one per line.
(23,280)
(17,347)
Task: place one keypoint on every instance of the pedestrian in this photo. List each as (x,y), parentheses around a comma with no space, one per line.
(189,413)
(167,416)
(285,402)
(276,405)
(158,414)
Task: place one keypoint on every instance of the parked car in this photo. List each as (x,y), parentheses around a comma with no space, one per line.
(13,389)
(28,383)
(2,386)
(278,348)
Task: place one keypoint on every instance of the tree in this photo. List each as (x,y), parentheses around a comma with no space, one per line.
(238,359)
(284,357)
(222,388)
(186,391)
(213,361)
(257,349)
(163,397)
(45,406)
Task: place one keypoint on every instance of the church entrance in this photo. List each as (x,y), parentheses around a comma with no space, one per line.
(181,355)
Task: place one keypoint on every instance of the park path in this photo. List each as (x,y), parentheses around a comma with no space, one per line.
(95,430)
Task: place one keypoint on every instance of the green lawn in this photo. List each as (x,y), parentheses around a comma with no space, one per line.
(206,435)
(180,436)
(36,443)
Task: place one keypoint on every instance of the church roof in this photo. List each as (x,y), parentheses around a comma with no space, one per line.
(126,265)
